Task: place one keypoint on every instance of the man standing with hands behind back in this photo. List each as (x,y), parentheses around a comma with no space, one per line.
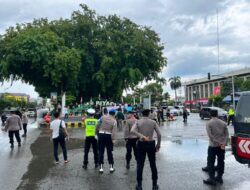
(144,129)
(218,133)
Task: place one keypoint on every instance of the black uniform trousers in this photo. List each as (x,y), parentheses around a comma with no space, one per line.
(184,117)
(131,145)
(143,148)
(25,128)
(17,135)
(56,142)
(90,141)
(105,141)
(230,118)
(214,152)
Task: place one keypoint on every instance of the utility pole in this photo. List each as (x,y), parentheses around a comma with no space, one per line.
(149,97)
(218,42)
(233,92)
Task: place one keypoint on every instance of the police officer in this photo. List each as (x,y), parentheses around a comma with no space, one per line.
(144,129)
(231,115)
(13,125)
(90,124)
(106,134)
(218,133)
(130,138)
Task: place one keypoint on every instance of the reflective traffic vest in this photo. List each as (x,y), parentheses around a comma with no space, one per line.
(231,111)
(90,125)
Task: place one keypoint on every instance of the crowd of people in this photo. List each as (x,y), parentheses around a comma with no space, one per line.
(139,125)
(101,132)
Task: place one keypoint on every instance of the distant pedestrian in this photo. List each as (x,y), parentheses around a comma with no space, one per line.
(3,118)
(106,134)
(57,139)
(231,113)
(153,115)
(130,138)
(66,112)
(90,124)
(218,133)
(185,114)
(13,125)
(144,129)
(120,118)
(25,124)
(159,116)
(59,107)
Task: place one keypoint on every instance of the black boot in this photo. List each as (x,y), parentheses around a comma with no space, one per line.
(155,187)
(11,145)
(19,144)
(219,179)
(138,187)
(209,181)
(128,165)
(204,169)
(85,166)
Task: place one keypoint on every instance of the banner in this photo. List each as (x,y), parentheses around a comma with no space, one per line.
(217,90)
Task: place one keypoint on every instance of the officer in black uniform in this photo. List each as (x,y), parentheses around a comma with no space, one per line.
(144,129)
(130,138)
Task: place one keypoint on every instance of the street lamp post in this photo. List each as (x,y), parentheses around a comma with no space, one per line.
(233,91)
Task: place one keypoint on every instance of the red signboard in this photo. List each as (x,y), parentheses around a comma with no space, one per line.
(217,90)
(243,147)
(201,100)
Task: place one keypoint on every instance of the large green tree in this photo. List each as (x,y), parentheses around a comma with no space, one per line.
(85,55)
(39,57)
(239,85)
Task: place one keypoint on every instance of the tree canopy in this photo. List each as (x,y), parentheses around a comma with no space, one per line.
(85,55)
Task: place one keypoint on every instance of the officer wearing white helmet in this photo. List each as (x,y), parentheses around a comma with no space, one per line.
(106,135)
(90,124)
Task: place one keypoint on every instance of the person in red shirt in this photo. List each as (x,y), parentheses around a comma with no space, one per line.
(47,118)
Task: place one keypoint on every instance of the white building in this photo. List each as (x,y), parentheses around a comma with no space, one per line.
(199,90)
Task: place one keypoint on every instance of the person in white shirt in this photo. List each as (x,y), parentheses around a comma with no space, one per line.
(66,113)
(54,127)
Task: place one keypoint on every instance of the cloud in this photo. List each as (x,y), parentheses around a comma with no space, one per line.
(188,29)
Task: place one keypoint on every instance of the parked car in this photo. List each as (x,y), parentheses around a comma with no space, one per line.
(205,113)
(180,109)
(31,112)
(174,111)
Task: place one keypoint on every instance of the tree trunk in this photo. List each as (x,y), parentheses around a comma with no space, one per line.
(63,102)
(175,96)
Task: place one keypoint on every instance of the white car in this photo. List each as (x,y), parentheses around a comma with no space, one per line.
(31,112)
(173,111)
(181,109)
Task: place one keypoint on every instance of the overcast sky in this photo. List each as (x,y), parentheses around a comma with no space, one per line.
(188,29)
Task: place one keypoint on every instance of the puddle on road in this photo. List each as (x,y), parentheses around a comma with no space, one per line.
(185,149)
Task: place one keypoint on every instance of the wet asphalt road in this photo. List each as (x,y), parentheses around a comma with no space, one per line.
(183,153)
